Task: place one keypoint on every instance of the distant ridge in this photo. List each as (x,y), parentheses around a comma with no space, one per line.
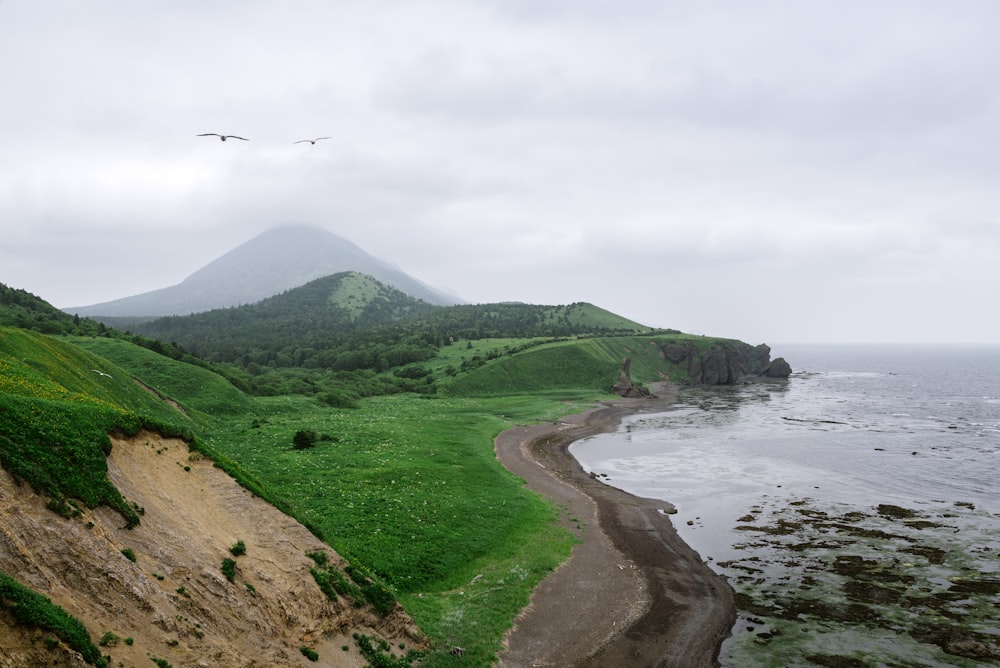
(279,259)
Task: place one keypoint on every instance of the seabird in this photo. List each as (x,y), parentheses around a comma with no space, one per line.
(311,141)
(107,375)
(222,137)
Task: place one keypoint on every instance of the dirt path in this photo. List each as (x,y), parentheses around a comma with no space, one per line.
(632,593)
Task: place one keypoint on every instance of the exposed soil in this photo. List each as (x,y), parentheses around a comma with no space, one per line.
(632,593)
(174,601)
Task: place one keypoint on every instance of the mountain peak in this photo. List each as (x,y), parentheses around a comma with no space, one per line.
(278,259)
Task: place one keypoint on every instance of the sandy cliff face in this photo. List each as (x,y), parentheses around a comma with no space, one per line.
(174,601)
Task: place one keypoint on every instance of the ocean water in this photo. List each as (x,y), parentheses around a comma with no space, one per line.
(855,507)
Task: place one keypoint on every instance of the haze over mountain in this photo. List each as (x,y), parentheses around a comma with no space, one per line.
(279,259)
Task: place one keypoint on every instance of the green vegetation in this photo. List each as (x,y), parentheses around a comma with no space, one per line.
(58,403)
(378,653)
(206,394)
(238,548)
(304,439)
(347,336)
(129,554)
(309,653)
(391,407)
(109,639)
(34,610)
(229,569)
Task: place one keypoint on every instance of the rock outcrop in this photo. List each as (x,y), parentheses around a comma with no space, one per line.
(625,387)
(724,363)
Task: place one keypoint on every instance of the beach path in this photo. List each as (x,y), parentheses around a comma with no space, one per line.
(632,593)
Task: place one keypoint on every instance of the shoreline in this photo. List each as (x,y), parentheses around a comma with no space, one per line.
(632,592)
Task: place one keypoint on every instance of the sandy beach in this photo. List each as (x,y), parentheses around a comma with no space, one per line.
(632,593)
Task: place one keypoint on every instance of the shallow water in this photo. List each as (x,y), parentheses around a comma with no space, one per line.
(854,508)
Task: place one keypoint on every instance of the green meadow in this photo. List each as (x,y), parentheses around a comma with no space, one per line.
(406,486)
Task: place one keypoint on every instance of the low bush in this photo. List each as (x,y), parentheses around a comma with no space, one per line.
(229,569)
(304,439)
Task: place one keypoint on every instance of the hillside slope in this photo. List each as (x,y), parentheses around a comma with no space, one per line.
(174,601)
(279,259)
(73,499)
(595,363)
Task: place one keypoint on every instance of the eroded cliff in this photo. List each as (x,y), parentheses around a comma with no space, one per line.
(173,602)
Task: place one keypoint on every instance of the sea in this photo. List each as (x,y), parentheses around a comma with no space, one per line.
(854,507)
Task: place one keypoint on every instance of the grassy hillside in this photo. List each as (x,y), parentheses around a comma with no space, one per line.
(591,363)
(350,321)
(403,483)
(19,308)
(200,393)
(58,403)
(406,486)
(409,486)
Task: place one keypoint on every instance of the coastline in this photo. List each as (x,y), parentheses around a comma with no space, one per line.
(632,592)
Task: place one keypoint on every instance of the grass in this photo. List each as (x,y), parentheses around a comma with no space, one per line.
(58,403)
(203,395)
(406,487)
(34,610)
(411,488)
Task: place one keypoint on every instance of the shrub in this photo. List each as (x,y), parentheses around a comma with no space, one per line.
(238,549)
(321,558)
(229,569)
(129,554)
(337,399)
(309,653)
(303,439)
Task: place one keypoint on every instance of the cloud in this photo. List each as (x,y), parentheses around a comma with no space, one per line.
(686,163)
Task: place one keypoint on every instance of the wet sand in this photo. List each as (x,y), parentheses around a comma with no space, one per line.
(632,593)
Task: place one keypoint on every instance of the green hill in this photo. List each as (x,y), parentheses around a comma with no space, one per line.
(58,403)
(197,391)
(19,308)
(594,363)
(350,321)
(291,328)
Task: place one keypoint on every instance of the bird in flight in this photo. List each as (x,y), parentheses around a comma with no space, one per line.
(311,141)
(222,137)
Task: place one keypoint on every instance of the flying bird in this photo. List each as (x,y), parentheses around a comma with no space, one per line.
(311,141)
(222,137)
(98,371)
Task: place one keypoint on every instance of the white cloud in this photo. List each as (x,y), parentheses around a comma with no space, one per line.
(772,171)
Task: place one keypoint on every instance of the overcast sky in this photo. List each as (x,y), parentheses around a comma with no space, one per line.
(774,171)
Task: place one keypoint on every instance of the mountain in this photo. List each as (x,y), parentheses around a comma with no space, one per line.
(279,259)
(350,321)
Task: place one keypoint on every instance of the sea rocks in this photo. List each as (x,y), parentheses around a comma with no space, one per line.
(779,368)
(625,387)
